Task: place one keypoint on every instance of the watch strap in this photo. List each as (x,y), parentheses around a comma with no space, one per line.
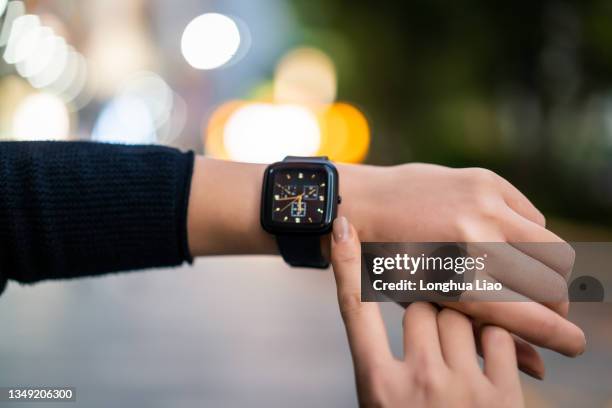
(309,159)
(302,250)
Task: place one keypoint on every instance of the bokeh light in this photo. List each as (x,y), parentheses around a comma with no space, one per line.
(23,38)
(55,67)
(263,133)
(213,141)
(210,41)
(153,91)
(306,76)
(345,134)
(111,65)
(13,89)
(41,116)
(41,54)
(2,6)
(125,119)
(14,10)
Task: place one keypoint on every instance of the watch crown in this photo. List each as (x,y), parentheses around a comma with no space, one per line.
(339,199)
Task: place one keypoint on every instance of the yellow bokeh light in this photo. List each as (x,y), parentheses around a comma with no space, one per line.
(345,134)
(213,139)
(305,76)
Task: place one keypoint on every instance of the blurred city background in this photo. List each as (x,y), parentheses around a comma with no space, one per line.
(523,88)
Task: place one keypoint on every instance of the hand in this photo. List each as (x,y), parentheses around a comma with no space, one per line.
(440,366)
(430,203)
(413,202)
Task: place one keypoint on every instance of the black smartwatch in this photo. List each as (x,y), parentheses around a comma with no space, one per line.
(299,203)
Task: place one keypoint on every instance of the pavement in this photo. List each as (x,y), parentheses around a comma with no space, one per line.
(231,332)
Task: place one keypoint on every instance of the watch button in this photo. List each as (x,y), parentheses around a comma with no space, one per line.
(339,199)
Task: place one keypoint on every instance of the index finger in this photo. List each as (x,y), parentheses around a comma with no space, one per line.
(365,327)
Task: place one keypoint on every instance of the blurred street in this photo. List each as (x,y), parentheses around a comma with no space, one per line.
(229,331)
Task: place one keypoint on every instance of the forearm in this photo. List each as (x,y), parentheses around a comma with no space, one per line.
(76,208)
(224,206)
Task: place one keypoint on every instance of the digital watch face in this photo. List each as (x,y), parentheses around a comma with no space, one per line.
(299,196)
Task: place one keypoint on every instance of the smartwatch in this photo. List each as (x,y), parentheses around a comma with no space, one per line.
(299,203)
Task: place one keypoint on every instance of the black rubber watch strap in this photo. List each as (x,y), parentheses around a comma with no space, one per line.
(302,250)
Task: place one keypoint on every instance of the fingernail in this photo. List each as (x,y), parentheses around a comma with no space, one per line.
(342,231)
(583,347)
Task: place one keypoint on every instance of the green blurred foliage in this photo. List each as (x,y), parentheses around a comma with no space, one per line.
(523,88)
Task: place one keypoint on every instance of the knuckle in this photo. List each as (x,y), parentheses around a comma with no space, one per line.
(467,229)
(427,377)
(568,257)
(488,206)
(541,218)
(559,289)
(481,177)
(452,317)
(496,336)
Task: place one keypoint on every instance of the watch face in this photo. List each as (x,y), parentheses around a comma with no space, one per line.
(299,196)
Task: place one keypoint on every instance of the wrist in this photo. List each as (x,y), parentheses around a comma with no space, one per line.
(357,188)
(224,209)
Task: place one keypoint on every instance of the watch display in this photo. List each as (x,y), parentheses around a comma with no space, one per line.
(299,197)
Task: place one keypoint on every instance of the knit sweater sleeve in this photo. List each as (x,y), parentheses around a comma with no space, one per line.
(71,209)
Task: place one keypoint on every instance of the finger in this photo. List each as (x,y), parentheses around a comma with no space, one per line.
(525,275)
(530,320)
(365,328)
(520,203)
(539,243)
(500,358)
(421,339)
(528,358)
(457,341)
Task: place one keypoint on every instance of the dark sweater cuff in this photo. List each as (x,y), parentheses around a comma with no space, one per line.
(70,209)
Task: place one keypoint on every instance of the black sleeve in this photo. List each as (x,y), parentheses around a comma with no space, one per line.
(71,209)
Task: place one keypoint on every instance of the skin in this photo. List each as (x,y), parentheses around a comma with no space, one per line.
(405,203)
(440,364)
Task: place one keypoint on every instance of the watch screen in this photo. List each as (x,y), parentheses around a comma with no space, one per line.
(299,196)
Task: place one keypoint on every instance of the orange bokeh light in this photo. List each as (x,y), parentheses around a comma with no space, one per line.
(345,134)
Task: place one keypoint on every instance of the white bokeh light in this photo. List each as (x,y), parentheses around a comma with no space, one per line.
(23,38)
(264,133)
(125,120)
(40,57)
(2,6)
(41,116)
(14,10)
(55,67)
(210,41)
(154,92)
